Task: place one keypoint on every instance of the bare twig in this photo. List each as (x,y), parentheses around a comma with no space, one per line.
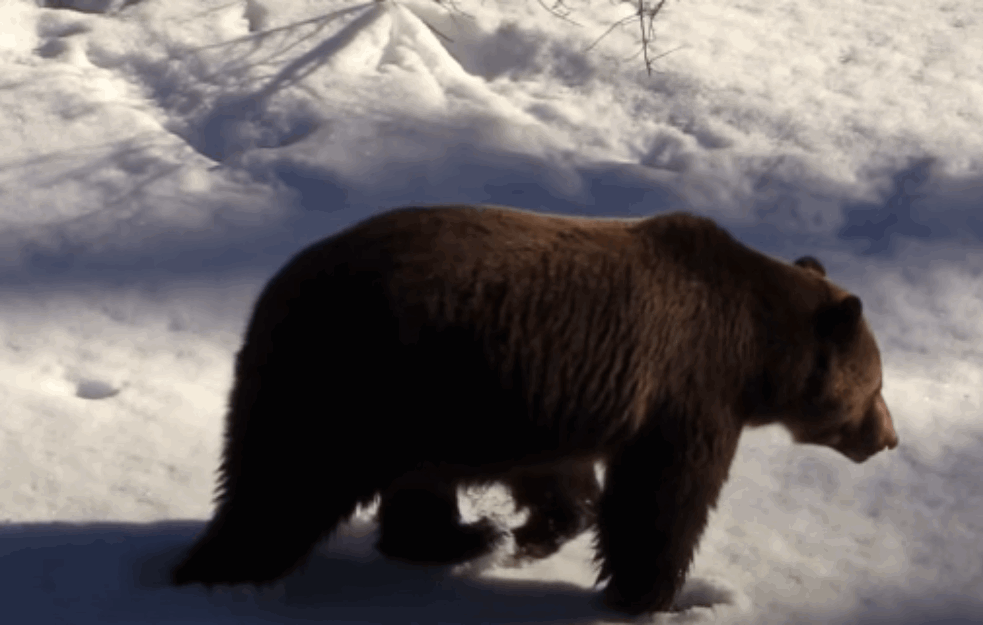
(555,10)
(650,13)
(643,11)
(623,20)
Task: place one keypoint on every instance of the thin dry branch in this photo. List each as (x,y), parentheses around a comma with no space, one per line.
(645,11)
(642,12)
(555,10)
(623,20)
(650,13)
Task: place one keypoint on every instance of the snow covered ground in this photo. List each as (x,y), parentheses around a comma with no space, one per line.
(159,159)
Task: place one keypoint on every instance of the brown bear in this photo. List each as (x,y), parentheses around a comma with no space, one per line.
(429,348)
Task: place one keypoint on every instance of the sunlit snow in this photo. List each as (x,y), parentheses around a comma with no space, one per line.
(160,159)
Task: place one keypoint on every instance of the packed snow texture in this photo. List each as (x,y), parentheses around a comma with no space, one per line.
(160,159)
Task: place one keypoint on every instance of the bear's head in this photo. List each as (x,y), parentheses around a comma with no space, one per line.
(838,401)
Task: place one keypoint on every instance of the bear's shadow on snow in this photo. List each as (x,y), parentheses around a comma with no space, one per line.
(372,589)
(125,569)
(49,569)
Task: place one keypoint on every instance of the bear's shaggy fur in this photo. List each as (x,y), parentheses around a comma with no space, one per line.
(428,348)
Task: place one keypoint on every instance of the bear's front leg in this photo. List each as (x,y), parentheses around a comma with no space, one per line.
(561,501)
(656,501)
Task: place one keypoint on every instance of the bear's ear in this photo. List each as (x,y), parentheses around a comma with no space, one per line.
(839,321)
(809,262)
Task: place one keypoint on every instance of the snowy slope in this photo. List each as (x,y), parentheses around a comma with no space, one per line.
(160,159)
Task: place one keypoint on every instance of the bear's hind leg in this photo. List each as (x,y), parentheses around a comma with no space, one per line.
(420,523)
(282,488)
(264,537)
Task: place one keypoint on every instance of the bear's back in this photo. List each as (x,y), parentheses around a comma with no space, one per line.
(462,233)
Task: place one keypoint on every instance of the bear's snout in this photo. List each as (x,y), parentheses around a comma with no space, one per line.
(875,434)
(884,424)
(891,440)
